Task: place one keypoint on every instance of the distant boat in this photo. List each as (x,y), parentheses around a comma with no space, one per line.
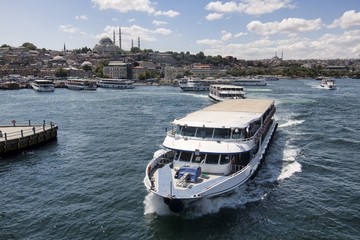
(42,85)
(81,84)
(248,81)
(328,84)
(204,84)
(115,83)
(195,85)
(211,152)
(219,92)
(271,78)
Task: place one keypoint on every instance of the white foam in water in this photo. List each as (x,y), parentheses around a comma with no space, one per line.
(155,204)
(290,165)
(291,123)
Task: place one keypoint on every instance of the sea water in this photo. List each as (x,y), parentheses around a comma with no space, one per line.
(89,183)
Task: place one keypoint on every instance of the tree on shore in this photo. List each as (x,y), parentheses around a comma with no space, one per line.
(29,46)
(62,73)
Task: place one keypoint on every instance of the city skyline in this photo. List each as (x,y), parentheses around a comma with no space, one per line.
(246,29)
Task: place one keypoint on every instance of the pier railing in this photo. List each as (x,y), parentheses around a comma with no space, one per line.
(24,129)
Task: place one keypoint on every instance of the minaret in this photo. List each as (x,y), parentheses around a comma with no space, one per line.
(132,43)
(120,38)
(114,37)
(139,42)
(64,48)
(282,55)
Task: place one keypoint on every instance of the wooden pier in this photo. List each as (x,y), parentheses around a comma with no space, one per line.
(17,138)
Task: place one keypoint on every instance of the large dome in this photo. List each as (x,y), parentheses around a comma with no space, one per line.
(86,63)
(59,59)
(105,41)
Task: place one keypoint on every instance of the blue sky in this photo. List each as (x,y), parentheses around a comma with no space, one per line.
(246,29)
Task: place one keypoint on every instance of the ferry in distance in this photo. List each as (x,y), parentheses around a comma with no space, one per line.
(80,84)
(115,83)
(43,85)
(204,84)
(219,93)
(212,151)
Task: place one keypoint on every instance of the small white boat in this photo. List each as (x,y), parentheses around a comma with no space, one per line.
(116,83)
(81,84)
(211,151)
(43,85)
(219,93)
(328,84)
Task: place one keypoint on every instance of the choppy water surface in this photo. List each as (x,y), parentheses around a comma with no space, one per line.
(89,183)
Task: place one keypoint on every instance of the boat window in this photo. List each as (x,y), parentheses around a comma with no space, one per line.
(212,159)
(222,133)
(245,157)
(185,156)
(199,158)
(177,129)
(224,159)
(204,132)
(188,131)
(237,133)
(176,155)
(256,125)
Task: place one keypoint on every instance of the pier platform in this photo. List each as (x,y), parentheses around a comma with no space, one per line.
(17,138)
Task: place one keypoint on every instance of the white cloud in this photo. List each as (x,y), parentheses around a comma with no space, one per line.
(288,26)
(251,7)
(328,46)
(225,35)
(169,13)
(214,16)
(163,31)
(133,32)
(68,28)
(125,5)
(81,17)
(210,42)
(240,34)
(347,20)
(131,20)
(158,23)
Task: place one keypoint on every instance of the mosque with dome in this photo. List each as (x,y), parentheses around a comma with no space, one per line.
(106,47)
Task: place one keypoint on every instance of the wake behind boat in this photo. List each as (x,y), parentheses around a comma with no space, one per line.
(219,93)
(211,151)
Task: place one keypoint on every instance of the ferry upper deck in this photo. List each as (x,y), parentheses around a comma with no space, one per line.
(228,114)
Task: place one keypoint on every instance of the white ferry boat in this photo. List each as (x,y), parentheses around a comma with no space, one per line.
(248,81)
(219,93)
(195,85)
(204,84)
(211,151)
(43,85)
(116,83)
(328,84)
(80,84)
